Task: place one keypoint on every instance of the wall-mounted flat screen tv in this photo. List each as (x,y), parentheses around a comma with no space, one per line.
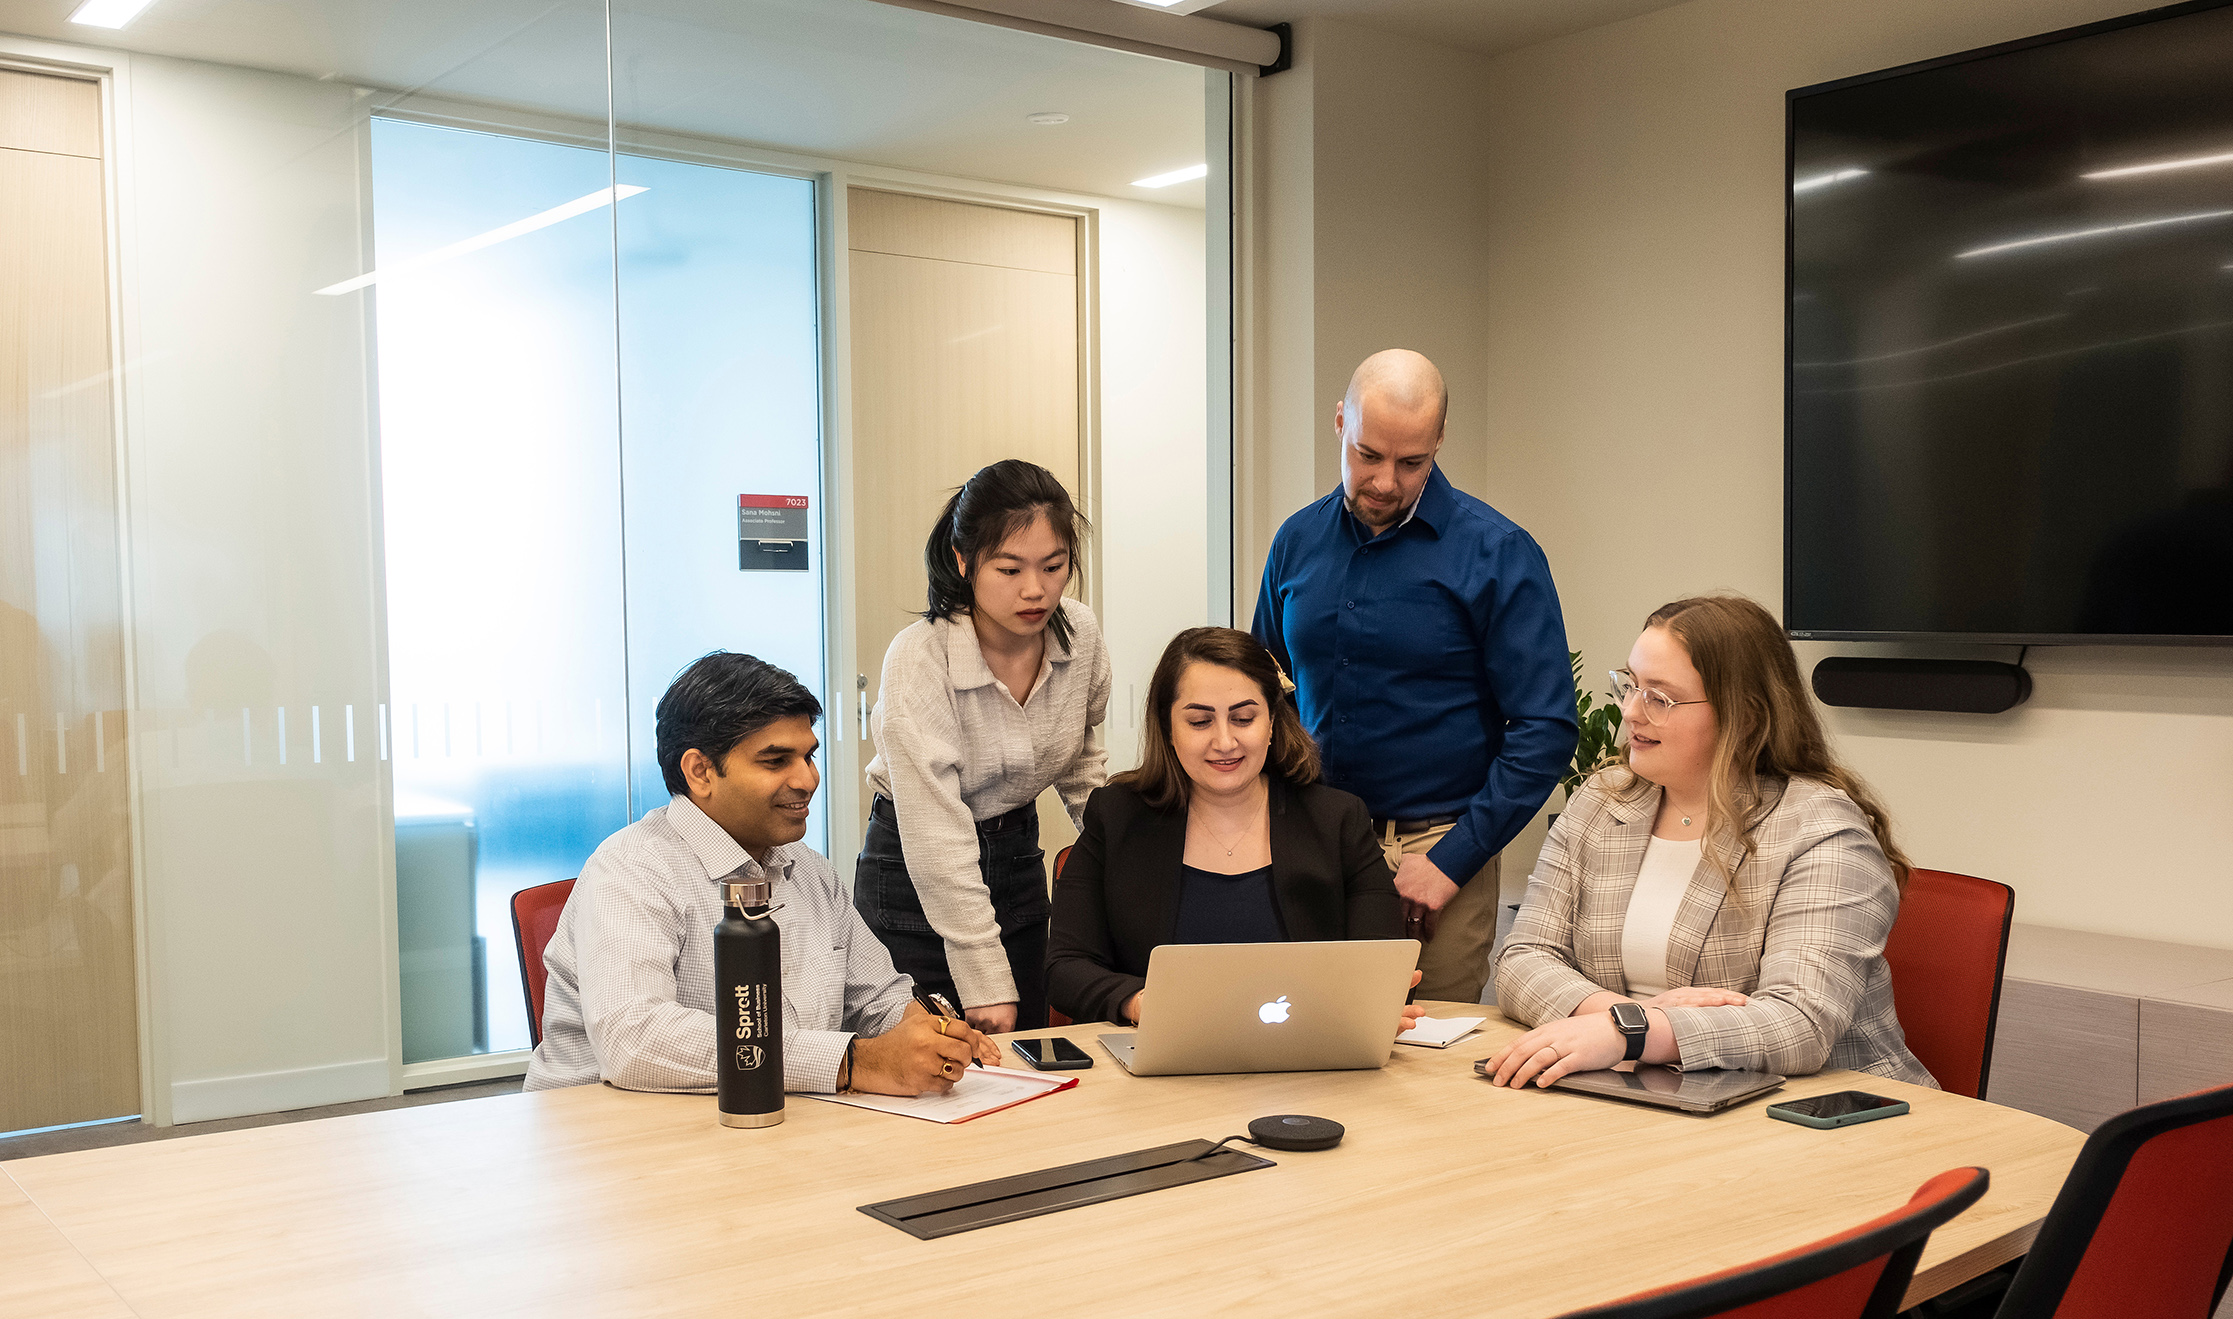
(2009,342)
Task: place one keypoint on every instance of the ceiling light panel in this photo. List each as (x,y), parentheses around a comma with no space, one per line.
(108,13)
(1175,176)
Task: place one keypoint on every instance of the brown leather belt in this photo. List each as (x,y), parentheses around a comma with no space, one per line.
(1380,824)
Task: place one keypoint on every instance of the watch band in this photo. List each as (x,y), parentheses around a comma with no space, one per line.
(1635,1027)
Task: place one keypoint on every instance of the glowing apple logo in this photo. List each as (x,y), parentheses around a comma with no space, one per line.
(1271,1014)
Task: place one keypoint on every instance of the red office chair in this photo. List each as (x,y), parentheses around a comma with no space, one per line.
(535,913)
(1862,1272)
(1055,1018)
(1946,951)
(2143,1226)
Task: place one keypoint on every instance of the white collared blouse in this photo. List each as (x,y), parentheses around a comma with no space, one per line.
(953,746)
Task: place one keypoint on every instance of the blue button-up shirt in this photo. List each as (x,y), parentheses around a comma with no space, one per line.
(1429,661)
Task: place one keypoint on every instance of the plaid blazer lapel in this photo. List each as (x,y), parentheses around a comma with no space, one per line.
(1732,960)
(1694,919)
(1625,834)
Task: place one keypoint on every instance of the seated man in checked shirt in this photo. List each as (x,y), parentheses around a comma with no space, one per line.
(630,997)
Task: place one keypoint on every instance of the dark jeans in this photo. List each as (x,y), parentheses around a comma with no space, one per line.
(1014,871)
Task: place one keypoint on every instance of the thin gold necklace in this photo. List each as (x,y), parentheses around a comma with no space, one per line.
(1245,828)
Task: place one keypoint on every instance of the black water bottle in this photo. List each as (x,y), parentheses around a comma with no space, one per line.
(748,1008)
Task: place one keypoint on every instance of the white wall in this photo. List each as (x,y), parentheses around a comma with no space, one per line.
(1634,237)
(1275,312)
(1368,190)
(1368,187)
(1153,534)
(254,572)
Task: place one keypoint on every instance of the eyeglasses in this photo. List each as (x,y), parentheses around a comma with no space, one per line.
(1653,705)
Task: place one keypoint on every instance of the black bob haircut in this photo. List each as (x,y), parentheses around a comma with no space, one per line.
(717,702)
(996,503)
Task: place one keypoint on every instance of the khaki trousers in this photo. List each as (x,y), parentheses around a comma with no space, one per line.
(1456,960)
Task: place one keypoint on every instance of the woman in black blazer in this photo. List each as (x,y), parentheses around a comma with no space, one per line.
(1222,835)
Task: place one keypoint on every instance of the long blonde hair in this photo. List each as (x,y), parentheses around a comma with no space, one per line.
(1767,731)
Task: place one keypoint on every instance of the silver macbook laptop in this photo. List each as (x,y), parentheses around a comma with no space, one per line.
(1268,1007)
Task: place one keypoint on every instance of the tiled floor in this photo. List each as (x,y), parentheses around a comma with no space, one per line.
(132,1133)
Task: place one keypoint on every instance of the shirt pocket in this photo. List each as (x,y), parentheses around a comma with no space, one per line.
(1435,627)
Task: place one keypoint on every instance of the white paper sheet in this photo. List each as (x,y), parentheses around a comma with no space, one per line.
(1440,1032)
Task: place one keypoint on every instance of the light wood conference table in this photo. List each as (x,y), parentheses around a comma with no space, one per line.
(1449,1196)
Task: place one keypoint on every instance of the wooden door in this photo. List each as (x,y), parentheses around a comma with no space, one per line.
(69,1034)
(965,351)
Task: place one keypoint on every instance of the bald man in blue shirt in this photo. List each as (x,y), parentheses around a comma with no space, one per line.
(1429,656)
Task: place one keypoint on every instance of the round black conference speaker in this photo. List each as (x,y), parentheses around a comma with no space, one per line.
(1290,1131)
(1950,686)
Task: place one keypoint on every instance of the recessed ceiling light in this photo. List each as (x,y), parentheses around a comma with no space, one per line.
(1175,176)
(109,13)
(503,233)
(1047,117)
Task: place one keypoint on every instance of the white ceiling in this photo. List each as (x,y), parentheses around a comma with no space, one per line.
(851,79)
(1486,26)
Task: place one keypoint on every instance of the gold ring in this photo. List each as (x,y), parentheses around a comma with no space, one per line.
(946,1069)
(942,1025)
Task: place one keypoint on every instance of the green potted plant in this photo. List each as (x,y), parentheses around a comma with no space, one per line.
(1600,733)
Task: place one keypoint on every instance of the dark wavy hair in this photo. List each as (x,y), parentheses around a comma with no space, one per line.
(1160,780)
(996,503)
(720,700)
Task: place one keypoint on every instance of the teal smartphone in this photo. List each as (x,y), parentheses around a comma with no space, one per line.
(1842,1109)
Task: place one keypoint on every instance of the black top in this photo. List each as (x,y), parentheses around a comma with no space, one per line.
(1216,908)
(1118,896)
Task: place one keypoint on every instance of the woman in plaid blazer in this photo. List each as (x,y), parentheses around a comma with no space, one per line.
(1767,951)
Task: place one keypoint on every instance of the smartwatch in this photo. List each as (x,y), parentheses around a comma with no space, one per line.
(1634,1025)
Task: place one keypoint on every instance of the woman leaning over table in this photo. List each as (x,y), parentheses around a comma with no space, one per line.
(1222,835)
(1724,871)
(995,696)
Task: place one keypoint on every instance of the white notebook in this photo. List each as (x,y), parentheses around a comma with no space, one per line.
(1440,1032)
(981,1090)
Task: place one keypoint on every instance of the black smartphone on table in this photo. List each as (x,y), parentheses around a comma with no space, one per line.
(1051,1055)
(1842,1109)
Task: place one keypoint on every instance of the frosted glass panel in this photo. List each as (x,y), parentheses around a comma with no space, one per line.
(69,1047)
(500,464)
(720,399)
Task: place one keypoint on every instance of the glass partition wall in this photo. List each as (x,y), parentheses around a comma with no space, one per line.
(570,415)
(469,371)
